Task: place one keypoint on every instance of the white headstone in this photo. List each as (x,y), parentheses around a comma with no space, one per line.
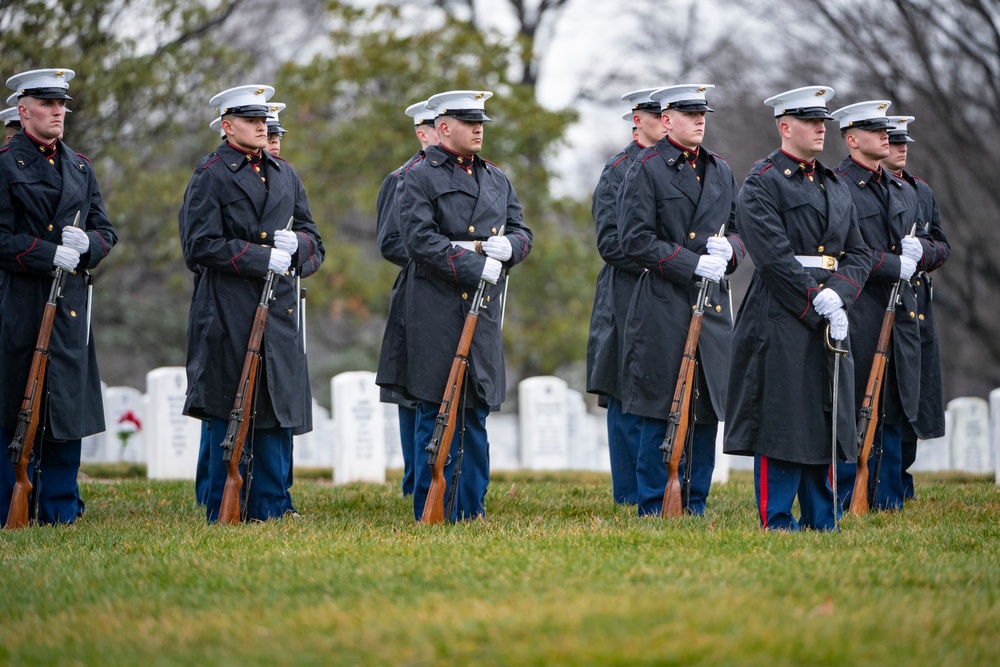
(124,412)
(501,430)
(721,473)
(172,439)
(934,455)
(970,442)
(544,425)
(359,455)
(393,446)
(995,429)
(96,448)
(314,449)
(580,440)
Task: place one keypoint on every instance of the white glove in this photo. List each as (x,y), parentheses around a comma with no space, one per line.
(66,258)
(287,240)
(827,301)
(279,261)
(75,238)
(838,324)
(710,267)
(491,271)
(906,267)
(719,246)
(911,248)
(498,247)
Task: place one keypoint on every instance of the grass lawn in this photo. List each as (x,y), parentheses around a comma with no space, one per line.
(558,575)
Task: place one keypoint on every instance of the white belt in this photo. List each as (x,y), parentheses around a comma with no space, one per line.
(818,262)
(474,246)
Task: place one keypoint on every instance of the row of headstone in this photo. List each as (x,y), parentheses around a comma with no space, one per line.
(553,431)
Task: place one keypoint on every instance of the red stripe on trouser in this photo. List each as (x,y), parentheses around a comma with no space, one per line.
(763,491)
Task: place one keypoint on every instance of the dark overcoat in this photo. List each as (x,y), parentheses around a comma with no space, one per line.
(439,201)
(665,218)
(930,415)
(882,229)
(615,282)
(36,201)
(227,230)
(780,387)
(390,245)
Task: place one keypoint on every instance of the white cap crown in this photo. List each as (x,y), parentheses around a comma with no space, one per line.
(684,97)
(467,105)
(421,113)
(250,101)
(807,102)
(868,115)
(42,83)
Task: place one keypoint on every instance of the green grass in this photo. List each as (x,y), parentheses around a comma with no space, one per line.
(557,575)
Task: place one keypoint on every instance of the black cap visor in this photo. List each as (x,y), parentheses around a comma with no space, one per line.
(45,93)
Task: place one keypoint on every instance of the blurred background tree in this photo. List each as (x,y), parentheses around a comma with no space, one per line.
(147,68)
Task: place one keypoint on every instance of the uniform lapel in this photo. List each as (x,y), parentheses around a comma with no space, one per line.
(245,177)
(710,189)
(489,190)
(73,181)
(275,193)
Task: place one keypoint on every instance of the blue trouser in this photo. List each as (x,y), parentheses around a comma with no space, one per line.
(201,471)
(407,424)
(776,483)
(58,494)
(475,471)
(624,433)
(268,495)
(889,491)
(908,454)
(651,471)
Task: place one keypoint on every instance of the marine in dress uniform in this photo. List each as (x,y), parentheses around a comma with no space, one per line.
(275,132)
(615,282)
(887,209)
(930,413)
(460,222)
(671,206)
(43,183)
(11,123)
(391,246)
(800,227)
(238,203)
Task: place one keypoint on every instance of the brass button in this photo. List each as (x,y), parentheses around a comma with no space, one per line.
(263,235)
(718,309)
(51,161)
(72,313)
(488,299)
(469,171)
(920,317)
(892,248)
(465,295)
(820,249)
(460,159)
(691,235)
(49,228)
(494,230)
(693,307)
(471,229)
(912,314)
(290,311)
(788,172)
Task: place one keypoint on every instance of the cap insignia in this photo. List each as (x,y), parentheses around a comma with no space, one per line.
(480,96)
(702,89)
(259,91)
(820,93)
(59,73)
(882,106)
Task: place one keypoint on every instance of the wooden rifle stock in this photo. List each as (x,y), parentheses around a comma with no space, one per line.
(29,416)
(447,417)
(868,415)
(678,421)
(241,414)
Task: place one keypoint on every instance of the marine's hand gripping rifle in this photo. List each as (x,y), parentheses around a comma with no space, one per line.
(242,413)
(30,414)
(447,417)
(678,421)
(868,415)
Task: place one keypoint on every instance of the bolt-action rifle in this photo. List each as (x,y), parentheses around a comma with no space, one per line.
(678,421)
(868,415)
(30,414)
(447,417)
(242,413)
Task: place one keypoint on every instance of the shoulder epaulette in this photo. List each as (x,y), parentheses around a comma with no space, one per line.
(83,156)
(493,163)
(620,160)
(415,162)
(653,154)
(767,164)
(4,148)
(214,159)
